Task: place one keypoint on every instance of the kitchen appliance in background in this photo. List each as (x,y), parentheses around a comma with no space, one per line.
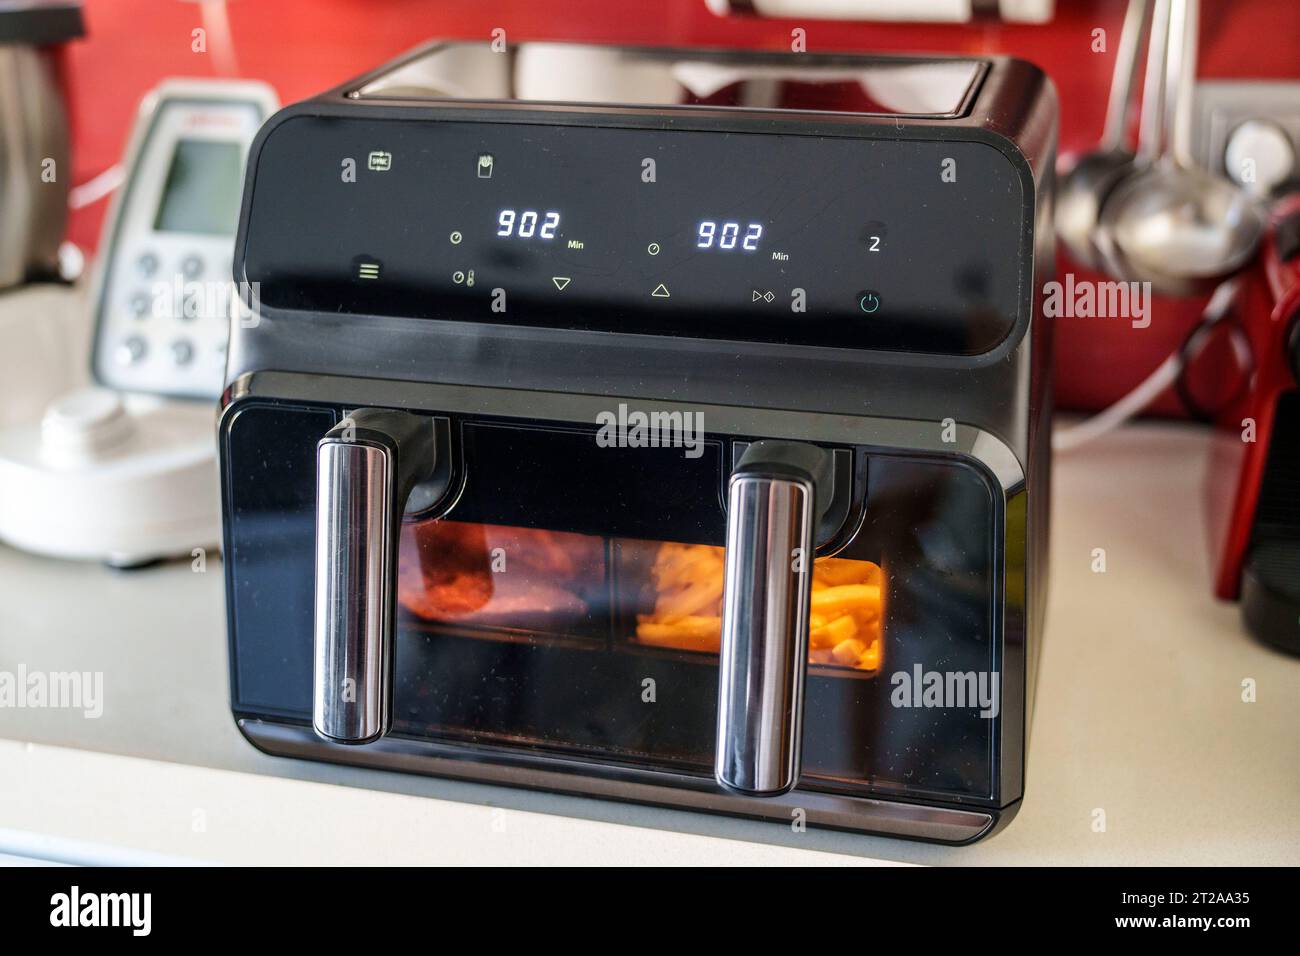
(677,452)
(41,325)
(1253,485)
(35,168)
(125,471)
(163,286)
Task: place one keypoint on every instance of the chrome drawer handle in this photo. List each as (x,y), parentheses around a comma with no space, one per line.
(773,499)
(365,469)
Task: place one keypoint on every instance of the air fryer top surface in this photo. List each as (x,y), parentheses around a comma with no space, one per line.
(609,75)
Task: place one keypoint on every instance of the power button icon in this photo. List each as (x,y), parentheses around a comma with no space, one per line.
(868,301)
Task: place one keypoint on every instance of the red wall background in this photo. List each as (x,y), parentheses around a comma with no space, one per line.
(303,46)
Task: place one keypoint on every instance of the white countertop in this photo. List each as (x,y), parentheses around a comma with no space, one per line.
(1139,714)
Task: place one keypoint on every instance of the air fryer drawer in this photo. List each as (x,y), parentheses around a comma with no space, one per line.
(563,600)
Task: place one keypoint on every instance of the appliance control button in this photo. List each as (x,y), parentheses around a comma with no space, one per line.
(192,266)
(1259,155)
(147,264)
(131,351)
(182,352)
(79,426)
(139,305)
(868,301)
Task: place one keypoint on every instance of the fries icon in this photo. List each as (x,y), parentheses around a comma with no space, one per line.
(844,629)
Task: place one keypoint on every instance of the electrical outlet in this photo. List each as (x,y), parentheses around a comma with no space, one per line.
(1248,130)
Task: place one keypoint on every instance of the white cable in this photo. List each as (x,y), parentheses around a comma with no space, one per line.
(1166,373)
(97,187)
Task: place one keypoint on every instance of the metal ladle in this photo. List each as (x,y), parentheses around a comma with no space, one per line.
(1150,129)
(1094,174)
(1173,225)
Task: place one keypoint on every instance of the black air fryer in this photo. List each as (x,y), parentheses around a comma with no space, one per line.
(666,426)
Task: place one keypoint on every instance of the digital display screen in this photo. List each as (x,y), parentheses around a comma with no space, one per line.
(822,240)
(202,190)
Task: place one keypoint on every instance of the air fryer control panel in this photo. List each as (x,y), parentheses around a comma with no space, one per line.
(795,239)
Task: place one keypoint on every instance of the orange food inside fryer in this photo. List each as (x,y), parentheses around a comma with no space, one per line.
(844,628)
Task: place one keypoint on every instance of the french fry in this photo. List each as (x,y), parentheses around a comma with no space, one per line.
(694,626)
(870,658)
(836,571)
(848,651)
(695,597)
(844,598)
(686,567)
(686,574)
(829,635)
(844,626)
(688,633)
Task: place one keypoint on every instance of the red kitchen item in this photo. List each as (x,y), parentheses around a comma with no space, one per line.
(1253,483)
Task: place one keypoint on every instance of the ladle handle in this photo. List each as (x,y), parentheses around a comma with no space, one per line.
(1184,35)
(1124,78)
(1151,128)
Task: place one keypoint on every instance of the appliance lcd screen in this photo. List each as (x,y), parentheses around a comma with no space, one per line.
(202,189)
(826,240)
